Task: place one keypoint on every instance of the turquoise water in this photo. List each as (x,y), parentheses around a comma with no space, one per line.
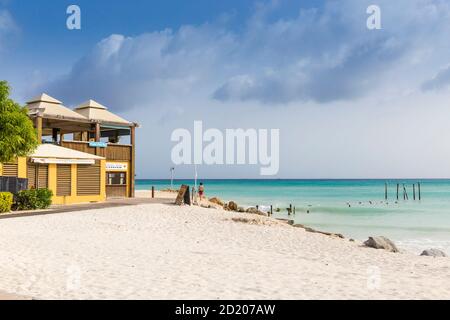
(355,208)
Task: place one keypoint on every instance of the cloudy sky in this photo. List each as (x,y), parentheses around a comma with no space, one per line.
(349,102)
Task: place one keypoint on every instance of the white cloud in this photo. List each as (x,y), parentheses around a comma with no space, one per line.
(349,100)
(321,55)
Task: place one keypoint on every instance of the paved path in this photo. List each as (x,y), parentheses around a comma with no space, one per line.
(110,203)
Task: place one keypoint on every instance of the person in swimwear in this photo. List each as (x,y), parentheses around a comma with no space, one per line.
(201,190)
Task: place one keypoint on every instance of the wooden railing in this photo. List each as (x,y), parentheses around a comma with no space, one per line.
(118,152)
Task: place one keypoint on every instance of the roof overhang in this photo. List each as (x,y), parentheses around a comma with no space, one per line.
(52,154)
(62,161)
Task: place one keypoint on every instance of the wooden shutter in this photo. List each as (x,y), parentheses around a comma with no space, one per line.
(10,170)
(88,180)
(42,176)
(31,175)
(37,175)
(64,180)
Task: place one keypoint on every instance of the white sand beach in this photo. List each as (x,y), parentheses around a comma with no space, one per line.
(162,251)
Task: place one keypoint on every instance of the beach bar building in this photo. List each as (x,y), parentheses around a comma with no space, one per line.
(81,157)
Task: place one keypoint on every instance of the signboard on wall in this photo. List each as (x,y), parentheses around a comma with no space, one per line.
(94,144)
(116,166)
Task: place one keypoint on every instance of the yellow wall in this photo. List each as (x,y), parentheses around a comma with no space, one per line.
(21,167)
(74,198)
(52,182)
(127,171)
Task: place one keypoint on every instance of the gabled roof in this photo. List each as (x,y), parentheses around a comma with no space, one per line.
(50,107)
(94,111)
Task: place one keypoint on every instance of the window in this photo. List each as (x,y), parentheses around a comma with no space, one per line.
(116,178)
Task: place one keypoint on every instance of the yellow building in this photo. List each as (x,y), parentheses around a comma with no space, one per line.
(81,158)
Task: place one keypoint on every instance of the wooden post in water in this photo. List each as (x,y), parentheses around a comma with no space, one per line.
(397,190)
(153,192)
(414,191)
(385,191)
(418,186)
(257,207)
(271,209)
(405,194)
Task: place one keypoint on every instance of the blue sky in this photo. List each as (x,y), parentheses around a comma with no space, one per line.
(349,102)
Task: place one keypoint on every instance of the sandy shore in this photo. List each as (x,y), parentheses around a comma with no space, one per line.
(160,251)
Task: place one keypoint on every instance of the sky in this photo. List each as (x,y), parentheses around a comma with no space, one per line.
(349,102)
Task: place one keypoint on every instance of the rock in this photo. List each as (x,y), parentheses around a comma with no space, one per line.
(260,213)
(308,229)
(232,206)
(381,243)
(433,253)
(252,210)
(287,221)
(216,201)
(240,209)
(352,240)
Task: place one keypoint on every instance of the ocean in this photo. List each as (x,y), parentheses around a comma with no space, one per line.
(355,208)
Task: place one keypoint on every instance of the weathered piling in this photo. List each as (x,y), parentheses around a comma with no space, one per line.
(271,209)
(153,192)
(398,185)
(385,191)
(418,186)
(414,191)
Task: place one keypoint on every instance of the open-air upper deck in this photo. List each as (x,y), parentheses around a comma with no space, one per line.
(92,129)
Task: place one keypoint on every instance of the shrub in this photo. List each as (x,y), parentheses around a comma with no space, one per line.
(44,198)
(6,200)
(34,199)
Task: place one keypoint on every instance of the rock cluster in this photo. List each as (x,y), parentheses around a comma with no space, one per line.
(381,243)
(308,229)
(217,201)
(433,253)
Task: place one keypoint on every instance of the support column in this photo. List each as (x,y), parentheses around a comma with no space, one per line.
(38,126)
(133,159)
(97,137)
(97,132)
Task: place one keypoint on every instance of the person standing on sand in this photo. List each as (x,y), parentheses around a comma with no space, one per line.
(201,191)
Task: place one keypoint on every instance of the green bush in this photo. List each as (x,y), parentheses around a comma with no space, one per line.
(6,200)
(34,199)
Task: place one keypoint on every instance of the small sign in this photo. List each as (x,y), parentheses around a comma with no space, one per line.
(95,144)
(181,193)
(114,166)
